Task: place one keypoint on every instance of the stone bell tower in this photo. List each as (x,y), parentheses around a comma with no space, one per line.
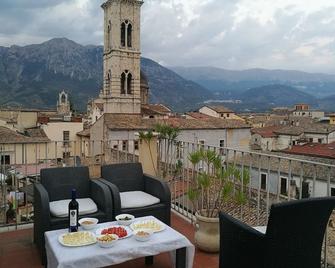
(122,50)
(63,104)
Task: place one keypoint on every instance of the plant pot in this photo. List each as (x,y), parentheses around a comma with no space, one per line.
(207,234)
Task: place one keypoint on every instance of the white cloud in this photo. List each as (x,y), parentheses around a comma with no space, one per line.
(237,34)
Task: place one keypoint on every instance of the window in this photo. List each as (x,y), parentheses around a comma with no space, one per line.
(66,137)
(319,140)
(310,139)
(136,145)
(222,144)
(228,115)
(129,78)
(263,181)
(63,98)
(126,82)
(332,191)
(202,144)
(283,186)
(123,83)
(123,34)
(222,115)
(129,33)
(124,145)
(5,159)
(66,154)
(126,33)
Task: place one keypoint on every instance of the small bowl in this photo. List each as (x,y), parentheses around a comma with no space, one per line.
(143,235)
(125,219)
(107,243)
(88,223)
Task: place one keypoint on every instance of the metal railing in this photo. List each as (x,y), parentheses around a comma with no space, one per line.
(273,178)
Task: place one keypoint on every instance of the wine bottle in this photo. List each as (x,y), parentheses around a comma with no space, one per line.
(73,213)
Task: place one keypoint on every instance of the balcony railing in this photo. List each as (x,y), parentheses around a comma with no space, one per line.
(273,177)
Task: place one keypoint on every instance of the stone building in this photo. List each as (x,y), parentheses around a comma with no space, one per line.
(121,60)
(63,104)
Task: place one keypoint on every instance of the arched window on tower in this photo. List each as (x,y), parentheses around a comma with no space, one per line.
(123,83)
(126,34)
(109,27)
(129,35)
(63,98)
(126,83)
(129,84)
(123,34)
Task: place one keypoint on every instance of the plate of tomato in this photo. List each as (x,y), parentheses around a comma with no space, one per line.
(121,231)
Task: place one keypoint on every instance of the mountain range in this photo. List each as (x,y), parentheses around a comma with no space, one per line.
(33,75)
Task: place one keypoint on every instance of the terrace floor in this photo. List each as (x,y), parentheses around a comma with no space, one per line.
(18,250)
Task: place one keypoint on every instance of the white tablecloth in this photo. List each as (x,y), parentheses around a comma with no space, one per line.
(124,250)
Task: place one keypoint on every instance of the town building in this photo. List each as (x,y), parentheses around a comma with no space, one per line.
(305,111)
(280,137)
(219,111)
(120,131)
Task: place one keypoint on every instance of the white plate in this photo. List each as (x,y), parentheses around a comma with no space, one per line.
(80,244)
(129,231)
(139,225)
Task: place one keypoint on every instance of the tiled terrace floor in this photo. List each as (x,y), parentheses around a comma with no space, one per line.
(17,250)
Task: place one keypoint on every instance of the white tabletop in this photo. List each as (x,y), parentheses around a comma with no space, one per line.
(124,250)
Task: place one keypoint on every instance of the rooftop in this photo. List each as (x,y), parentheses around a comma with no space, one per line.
(266,132)
(219,108)
(9,136)
(155,109)
(18,250)
(136,122)
(314,149)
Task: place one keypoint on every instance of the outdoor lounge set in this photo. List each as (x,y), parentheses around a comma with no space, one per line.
(293,237)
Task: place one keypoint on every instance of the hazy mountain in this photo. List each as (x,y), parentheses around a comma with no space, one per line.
(229,83)
(266,97)
(32,76)
(168,87)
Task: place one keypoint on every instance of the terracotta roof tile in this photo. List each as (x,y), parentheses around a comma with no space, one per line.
(314,149)
(219,108)
(266,132)
(32,136)
(136,122)
(154,109)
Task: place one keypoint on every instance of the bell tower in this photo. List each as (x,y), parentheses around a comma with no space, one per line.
(121,60)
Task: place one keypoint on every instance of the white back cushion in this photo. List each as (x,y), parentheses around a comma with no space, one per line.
(61,208)
(136,199)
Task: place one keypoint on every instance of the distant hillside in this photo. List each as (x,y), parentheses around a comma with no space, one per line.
(32,76)
(229,83)
(328,103)
(274,96)
(168,87)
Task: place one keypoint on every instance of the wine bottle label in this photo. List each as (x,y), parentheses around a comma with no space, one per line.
(73,217)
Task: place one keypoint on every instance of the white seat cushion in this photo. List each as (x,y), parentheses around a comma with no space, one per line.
(137,199)
(61,208)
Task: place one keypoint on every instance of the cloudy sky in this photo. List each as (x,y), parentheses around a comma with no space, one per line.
(233,34)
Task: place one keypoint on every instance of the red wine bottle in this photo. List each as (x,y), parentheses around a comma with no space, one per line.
(73,213)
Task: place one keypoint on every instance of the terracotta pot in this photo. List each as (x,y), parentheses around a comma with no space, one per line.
(207,234)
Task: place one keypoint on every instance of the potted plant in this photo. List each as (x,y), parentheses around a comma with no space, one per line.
(213,184)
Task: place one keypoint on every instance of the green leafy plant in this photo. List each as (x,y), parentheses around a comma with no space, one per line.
(167,137)
(214,183)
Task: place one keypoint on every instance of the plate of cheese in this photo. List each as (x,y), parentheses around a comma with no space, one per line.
(153,225)
(77,239)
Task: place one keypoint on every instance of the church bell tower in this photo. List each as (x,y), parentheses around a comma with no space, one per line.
(121,60)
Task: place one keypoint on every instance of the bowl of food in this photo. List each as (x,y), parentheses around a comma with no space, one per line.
(88,223)
(143,235)
(107,240)
(124,219)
